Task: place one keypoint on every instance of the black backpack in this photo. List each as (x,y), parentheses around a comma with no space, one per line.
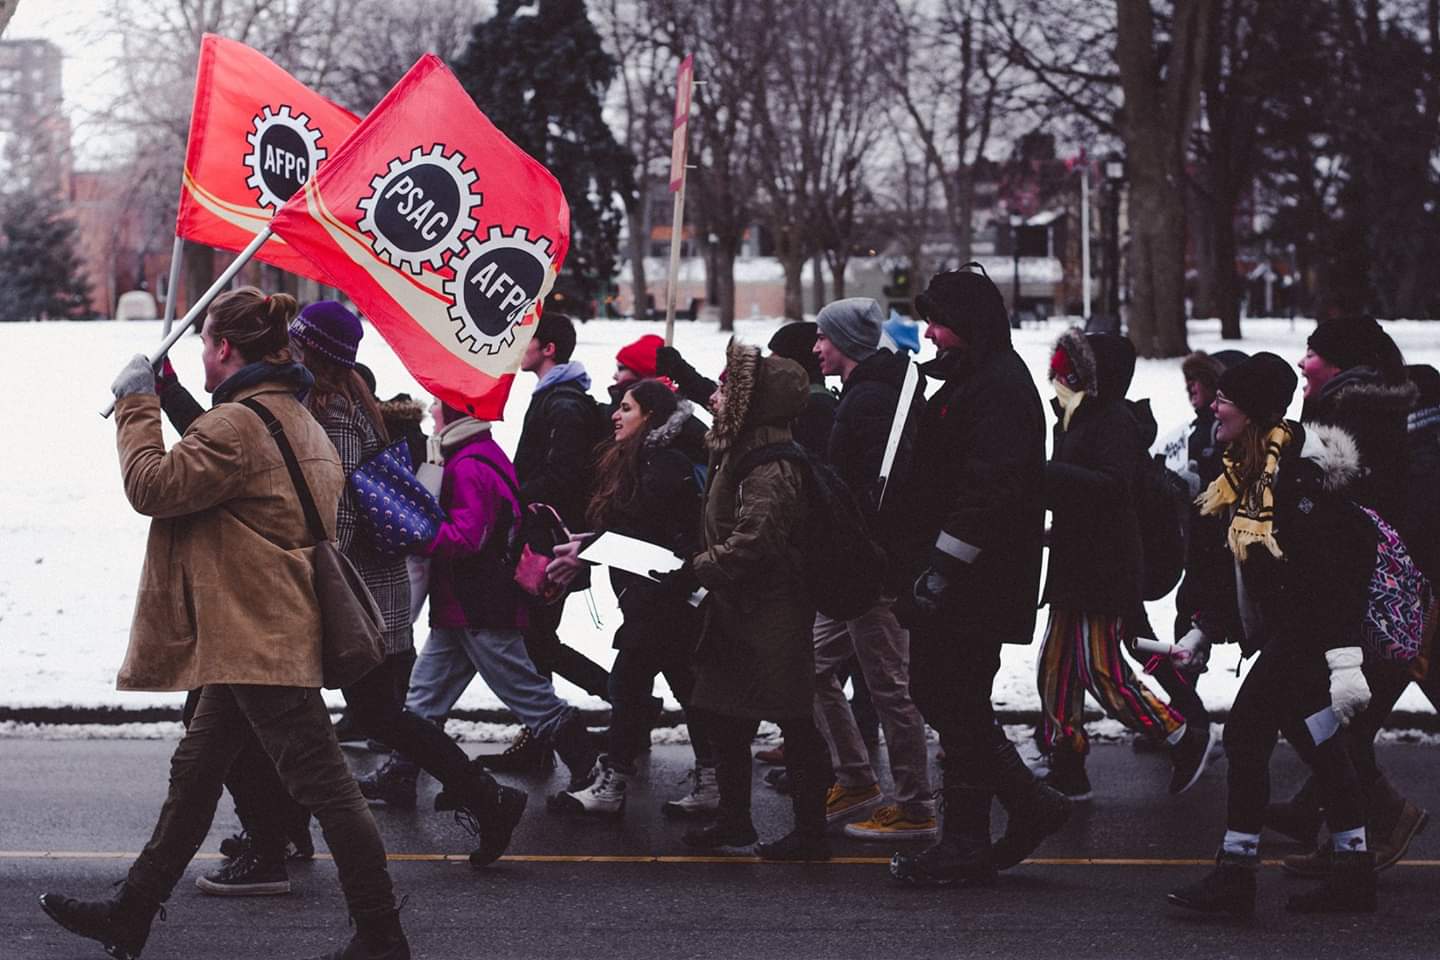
(1163,503)
(844,566)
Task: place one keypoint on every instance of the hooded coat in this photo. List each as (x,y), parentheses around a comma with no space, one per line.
(755,658)
(227,529)
(1091,481)
(1315,595)
(1374,412)
(556,448)
(979,467)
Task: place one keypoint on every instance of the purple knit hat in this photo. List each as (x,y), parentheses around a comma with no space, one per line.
(330,330)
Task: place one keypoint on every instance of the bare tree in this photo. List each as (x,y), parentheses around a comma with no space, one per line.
(732,41)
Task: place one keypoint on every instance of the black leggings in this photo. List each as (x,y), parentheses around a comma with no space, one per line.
(1281,690)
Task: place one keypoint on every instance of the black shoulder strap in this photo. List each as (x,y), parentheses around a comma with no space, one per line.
(307,502)
(787,450)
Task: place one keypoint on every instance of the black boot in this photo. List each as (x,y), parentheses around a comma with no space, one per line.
(733,827)
(487,810)
(1067,774)
(1033,810)
(1349,887)
(377,937)
(578,751)
(393,784)
(1229,888)
(807,840)
(1298,818)
(963,854)
(121,925)
(525,755)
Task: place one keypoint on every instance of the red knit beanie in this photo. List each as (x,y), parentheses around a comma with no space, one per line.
(640,355)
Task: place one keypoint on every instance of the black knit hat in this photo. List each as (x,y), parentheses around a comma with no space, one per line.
(1262,386)
(959,299)
(796,341)
(1348,341)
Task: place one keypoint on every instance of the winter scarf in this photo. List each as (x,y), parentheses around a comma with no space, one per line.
(1069,401)
(454,436)
(293,375)
(1254,518)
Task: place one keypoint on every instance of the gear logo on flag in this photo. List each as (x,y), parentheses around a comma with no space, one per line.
(418,209)
(496,283)
(284,150)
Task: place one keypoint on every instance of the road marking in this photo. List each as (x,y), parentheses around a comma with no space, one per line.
(656,858)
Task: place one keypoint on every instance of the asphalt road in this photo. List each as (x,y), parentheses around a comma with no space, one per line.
(72,814)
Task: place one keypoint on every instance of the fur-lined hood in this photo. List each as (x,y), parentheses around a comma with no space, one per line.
(1336,454)
(1104,363)
(668,432)
(402,409)
(758,390)
(1363,391)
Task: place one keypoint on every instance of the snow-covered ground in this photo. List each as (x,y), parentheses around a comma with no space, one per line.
(70,546)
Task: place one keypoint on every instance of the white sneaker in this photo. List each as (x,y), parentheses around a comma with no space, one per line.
(703,799)
(604,797)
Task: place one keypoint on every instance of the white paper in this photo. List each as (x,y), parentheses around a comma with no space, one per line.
(630,554)
(703,415)
(1322,724)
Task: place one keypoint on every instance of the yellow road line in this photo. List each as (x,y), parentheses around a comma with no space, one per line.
(643,858)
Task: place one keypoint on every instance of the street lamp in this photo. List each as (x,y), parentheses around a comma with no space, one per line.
(1016,222)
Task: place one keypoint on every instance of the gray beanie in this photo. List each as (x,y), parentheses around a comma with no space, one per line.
(853,325)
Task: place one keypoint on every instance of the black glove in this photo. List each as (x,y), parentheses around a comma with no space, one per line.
(669,363)
(679,583)
(929,590)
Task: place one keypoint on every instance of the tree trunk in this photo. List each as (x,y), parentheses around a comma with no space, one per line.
(838,263)
(639,241)
(1206,216)
(1157,244)
(199,274)
(817,279)
(963,218)
(794,263)
(1224,283)
(724,277)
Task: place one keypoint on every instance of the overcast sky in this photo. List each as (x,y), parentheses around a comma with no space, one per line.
(77,27)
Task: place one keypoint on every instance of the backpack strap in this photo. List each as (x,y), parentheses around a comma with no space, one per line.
(287,453)
(769,453)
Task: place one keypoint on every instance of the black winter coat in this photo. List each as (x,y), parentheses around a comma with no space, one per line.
(1090,487)
(555,453)
(665,510)
(979,472)
(1374,412)
(1315,596)
(1421,526)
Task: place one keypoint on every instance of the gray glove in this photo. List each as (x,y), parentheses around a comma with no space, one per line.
(137,377)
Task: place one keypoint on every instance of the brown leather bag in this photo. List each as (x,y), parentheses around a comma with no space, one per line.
(351,622)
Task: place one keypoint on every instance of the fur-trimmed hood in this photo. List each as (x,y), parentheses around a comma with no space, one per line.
(668,432)
(1361,391)
(402,409)
(1334,451)
(1103,362)
(758,390)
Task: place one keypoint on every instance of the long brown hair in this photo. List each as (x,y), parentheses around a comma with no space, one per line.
(617,465)
(256,324)
(1249,451)
(336,385)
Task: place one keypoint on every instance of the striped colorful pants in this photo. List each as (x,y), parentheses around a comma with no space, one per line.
(1081,653)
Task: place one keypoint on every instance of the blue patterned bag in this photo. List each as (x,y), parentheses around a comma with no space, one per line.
(1400,596)
(399,511)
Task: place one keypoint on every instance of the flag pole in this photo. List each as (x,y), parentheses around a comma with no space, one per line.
(679,148)
(197,309)
(177,252)
(677,225)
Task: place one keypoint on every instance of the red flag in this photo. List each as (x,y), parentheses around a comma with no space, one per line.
(256,135)
(445,234)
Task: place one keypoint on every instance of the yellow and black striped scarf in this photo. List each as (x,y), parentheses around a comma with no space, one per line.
(1254,519)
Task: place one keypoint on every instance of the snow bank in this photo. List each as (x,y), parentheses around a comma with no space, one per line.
(70,546)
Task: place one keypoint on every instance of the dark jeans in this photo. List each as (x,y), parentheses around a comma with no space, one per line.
(294,729)
(951,676)
(632,684)
(807,760)
(550,656)
(1281,690)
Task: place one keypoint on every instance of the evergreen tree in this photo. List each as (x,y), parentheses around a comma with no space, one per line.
(41,275)
(540,73)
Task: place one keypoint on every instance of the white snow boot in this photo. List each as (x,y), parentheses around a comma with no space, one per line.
(604,797)
(703,799)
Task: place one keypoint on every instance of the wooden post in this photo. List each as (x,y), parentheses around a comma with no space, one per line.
(197,309)
(679,148)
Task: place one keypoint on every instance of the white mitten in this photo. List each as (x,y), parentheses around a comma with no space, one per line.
(1349,692)
(1191,652)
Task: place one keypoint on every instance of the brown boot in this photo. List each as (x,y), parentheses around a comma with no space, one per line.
(1391,847)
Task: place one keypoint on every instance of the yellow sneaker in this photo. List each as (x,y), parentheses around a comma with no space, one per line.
(889,823)
(842,802)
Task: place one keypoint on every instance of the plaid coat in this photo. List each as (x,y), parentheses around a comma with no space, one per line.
(357,441)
